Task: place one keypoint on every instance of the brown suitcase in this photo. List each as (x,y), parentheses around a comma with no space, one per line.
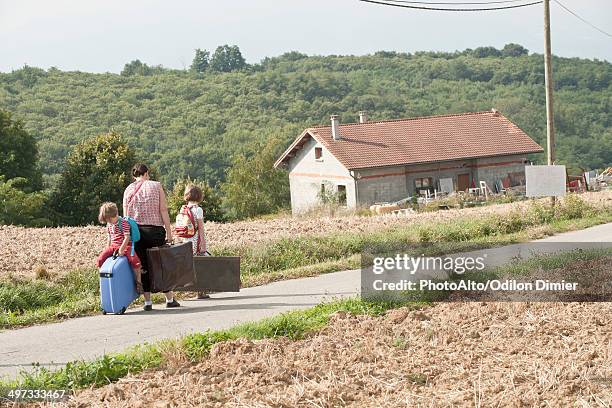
(170,266)
(215,274)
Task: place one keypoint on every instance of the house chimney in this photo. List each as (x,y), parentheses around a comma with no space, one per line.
(363,116)
(495,112)
(335,124)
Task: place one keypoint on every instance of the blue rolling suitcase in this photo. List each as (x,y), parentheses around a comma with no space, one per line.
(117,287)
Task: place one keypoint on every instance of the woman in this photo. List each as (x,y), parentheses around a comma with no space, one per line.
(145,201)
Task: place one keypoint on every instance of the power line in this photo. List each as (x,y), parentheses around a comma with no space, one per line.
(582,19)
(454,4)
(382,3)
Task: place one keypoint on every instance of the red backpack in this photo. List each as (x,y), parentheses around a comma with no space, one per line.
(186,225)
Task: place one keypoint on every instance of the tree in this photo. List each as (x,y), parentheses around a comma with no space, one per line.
(200,61)
(138,67)
(385,54)
(18,153)
(483,52)
(97,170)
(227,59)
(293,56)
(29,76)
(20,208)
(253,186)
(514,50)
(459,70)
(211,201)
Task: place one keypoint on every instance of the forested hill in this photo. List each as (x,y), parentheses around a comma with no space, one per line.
(189,122)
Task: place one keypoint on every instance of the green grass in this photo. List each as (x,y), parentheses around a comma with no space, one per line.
(109,368)
(27,302)
(550,262)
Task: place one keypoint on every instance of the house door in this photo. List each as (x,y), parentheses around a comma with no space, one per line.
(463,182)
(342,195)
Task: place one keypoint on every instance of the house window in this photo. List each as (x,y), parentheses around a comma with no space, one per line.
(423,183)
(342,194)
(318,153)
(517,179)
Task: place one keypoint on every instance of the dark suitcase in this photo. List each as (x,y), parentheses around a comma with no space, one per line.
(215,274)
(170,266)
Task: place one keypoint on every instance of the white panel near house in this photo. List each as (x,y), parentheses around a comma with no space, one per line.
(545,181)
(446,185)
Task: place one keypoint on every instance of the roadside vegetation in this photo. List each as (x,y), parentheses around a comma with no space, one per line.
(191,350)
(25,301)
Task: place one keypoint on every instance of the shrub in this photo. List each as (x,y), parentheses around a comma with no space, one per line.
(18,154)
(540,213)
(253,186)
(20,208)
(573,207)
(510,223)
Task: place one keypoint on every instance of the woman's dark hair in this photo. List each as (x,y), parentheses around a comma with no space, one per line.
(139,170)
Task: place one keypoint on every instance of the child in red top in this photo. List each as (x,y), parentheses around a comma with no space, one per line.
(118,240)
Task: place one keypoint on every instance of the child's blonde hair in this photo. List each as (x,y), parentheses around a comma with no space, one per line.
(193,193)
(107,211)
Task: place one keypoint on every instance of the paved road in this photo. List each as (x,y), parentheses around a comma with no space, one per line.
(90,337)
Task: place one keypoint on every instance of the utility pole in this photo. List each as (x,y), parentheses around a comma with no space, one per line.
(550,126)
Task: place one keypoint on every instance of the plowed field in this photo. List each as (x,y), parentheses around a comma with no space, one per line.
(452,354)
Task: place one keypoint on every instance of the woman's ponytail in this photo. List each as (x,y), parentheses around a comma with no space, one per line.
(139,170)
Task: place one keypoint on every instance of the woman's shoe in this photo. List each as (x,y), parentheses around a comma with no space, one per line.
(174,303)
(148,308)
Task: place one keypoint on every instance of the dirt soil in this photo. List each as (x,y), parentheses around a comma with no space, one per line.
(451,354)
(60,250)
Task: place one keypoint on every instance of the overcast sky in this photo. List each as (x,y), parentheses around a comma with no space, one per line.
(100,36)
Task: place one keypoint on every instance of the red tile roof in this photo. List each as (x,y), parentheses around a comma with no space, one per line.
(420,140)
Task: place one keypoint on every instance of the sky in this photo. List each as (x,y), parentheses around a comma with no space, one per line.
(101,36)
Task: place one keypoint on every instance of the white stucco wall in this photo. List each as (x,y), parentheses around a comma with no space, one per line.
(306,174)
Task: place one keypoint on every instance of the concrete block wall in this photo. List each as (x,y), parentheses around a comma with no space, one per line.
(306,174)
(437,171)
(381,185)
(391,184)
(491,169)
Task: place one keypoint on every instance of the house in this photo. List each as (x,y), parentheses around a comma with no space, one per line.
(386,161)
